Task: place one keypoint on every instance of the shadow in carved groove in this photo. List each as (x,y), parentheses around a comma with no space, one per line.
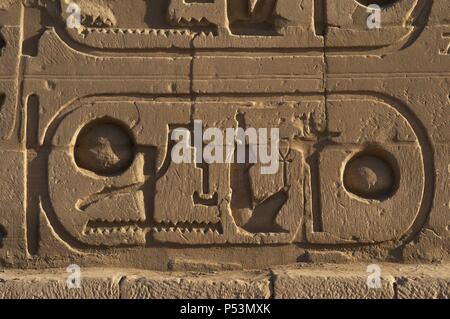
(2,44)
(2,100)
(3,235)
(381,3)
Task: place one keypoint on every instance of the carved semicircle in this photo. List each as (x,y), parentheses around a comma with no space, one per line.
(379,172)
(401,23)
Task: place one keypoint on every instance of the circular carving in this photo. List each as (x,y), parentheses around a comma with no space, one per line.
(369,176)
(104,148)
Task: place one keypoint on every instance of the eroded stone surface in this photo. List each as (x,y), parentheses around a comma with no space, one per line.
(330,282)
(351,281)
(431,281)
(86,116)
(53,285)
(229,285)
(313,281)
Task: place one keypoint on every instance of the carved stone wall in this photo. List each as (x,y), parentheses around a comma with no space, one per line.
(86,116)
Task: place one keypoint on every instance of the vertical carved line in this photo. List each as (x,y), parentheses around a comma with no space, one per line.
(320,17)
(32,175)
(2,100)
(19,76)
(316,199)
(2,42)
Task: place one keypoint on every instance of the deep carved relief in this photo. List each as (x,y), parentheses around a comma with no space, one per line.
(125,202)
(87,114)
(224,23)
(365,173)
(132,198)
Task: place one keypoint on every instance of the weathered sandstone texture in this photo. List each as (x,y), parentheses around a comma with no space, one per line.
(292,281)
(86,117)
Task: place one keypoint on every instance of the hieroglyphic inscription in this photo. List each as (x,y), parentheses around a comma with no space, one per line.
(87,113)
